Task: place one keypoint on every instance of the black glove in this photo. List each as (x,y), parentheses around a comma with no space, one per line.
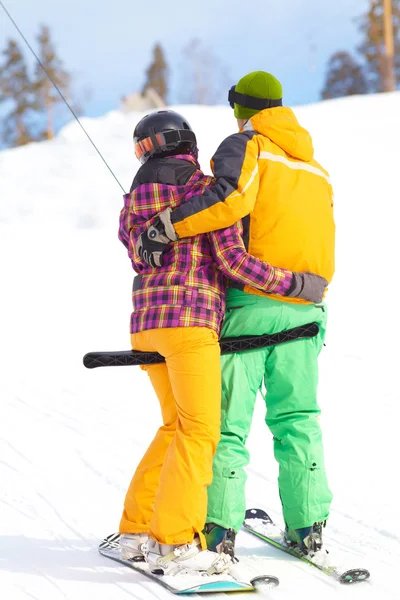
(308,286)
(154,241)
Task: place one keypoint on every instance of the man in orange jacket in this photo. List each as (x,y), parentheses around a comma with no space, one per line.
(267,175)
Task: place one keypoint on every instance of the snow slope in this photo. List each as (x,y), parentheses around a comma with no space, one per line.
(71,438)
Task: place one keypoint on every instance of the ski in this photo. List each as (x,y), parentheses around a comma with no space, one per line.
(186,584)
(260,524)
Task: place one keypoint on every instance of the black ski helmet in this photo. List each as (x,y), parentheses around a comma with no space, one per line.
(163,132)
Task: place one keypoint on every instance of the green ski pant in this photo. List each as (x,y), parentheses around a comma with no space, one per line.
(290,374)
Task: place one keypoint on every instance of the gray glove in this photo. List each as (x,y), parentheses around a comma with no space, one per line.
(308,286)
(154,241)
(167,231)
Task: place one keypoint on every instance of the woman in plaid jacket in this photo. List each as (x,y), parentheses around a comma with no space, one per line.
(178,312)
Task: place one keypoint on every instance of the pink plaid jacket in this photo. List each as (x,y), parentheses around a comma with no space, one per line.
(189,289)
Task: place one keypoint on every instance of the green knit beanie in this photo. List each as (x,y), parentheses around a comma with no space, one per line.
(260,85)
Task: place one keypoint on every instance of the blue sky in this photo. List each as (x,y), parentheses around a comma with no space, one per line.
(107,45)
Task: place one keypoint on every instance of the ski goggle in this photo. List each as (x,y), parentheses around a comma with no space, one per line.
(147,147)
(235,97)
(162,142)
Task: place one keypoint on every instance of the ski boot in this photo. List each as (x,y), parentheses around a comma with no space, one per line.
(131,546)
(220,539)
(188,559)
(307,539)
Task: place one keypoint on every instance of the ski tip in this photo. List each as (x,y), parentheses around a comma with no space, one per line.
(354,576)
(257,513)
(265,580)
(111,541)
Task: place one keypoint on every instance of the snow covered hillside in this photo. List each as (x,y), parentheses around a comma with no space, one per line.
(70,438)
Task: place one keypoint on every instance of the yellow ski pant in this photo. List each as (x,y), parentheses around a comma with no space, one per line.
(167,497)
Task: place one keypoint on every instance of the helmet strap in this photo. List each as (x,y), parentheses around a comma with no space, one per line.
(154,140)
(179,135)
(246,101)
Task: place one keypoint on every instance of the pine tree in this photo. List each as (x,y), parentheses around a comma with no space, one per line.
(373,47)
(47,95)
(156,74)
(345,77)
(16,89)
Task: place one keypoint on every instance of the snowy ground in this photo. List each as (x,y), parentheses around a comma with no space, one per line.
(71,438)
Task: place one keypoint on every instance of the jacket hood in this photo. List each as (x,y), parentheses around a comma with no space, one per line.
(280,125)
